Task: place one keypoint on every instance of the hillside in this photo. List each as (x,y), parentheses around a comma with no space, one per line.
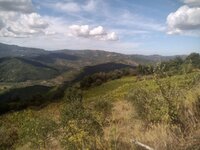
(102,68)
(21,69)
(118,112)
(156,107)
(140,111)
(17,51)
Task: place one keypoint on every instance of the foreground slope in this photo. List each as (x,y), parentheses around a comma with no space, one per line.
(160,113)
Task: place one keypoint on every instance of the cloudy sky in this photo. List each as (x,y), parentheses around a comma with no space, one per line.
(165,27)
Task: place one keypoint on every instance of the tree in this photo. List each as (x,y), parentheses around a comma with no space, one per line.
(194,58)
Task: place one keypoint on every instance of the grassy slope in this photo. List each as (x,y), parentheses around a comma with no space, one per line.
(123,123)
(119,88)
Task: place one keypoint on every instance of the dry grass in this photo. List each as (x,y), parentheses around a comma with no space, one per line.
(119,131)
(124,126)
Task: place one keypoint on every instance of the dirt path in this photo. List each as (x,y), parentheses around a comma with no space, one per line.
(124,127)
(120,130)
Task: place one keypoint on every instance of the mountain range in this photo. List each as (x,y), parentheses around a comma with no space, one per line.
(19,64)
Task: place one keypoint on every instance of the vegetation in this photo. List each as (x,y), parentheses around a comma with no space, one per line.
(79,125)
(159,107)
(173,67)
(18,70)
(169,102)
(100,78)
(36,96)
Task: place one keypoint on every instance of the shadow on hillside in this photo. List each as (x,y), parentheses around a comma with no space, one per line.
(36,97)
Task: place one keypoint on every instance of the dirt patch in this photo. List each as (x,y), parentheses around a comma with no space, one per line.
(119,132)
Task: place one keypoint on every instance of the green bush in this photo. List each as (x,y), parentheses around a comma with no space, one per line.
(149,106)
(80,127)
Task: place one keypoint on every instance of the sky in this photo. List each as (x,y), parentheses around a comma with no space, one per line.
(165,27)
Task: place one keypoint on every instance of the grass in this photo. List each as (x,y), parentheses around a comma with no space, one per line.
(120,121)
(125,123)
(108,87)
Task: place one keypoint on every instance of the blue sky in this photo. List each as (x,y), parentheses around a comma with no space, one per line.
(166,27)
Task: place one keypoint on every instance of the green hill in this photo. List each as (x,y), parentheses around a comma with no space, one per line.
(20,69)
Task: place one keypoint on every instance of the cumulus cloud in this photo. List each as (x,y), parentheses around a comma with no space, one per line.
(184,20)
(17,19)
(27,24)
(82,31)
(112,36)
(98,33)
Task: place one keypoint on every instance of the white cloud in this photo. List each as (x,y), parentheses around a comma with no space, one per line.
(18,20)
(34,20)
(112,36)
(81,31)
(22,25)
(185,20)
(98,33)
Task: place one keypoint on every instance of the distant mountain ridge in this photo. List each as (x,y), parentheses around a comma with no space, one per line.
(22,63)
(17,51)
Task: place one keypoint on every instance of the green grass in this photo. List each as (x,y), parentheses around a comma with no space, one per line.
(108,87)
(121,86)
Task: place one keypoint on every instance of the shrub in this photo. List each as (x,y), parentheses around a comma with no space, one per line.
(103,108)
(149,106)
(79,126)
